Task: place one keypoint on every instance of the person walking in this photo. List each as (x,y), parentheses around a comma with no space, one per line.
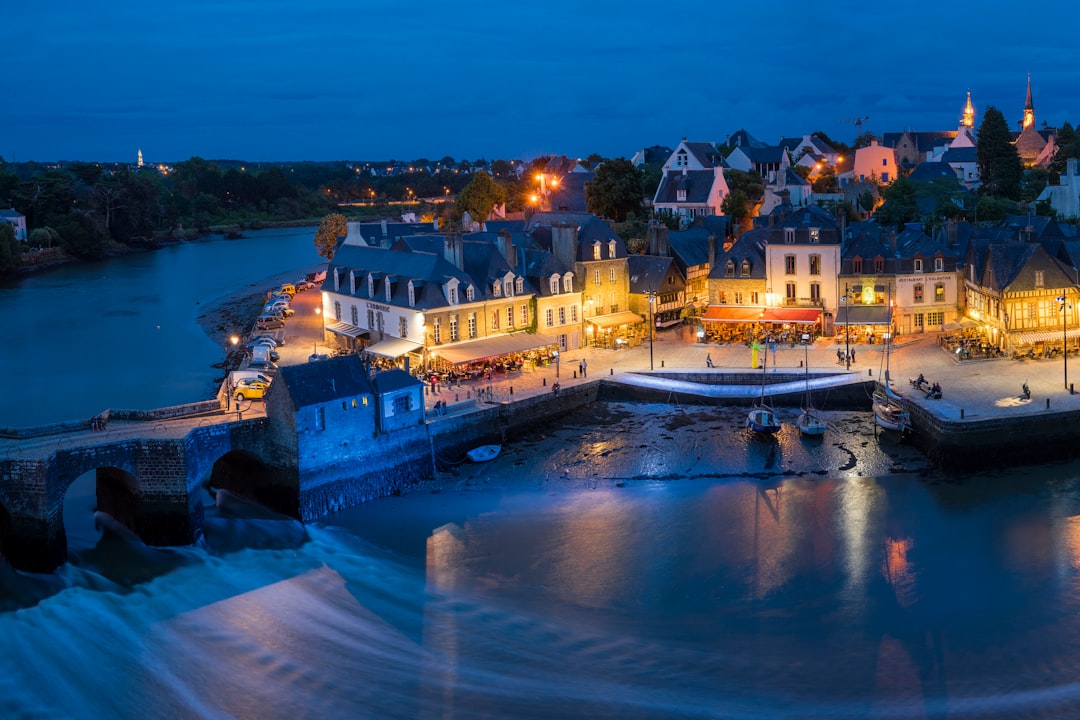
(839,356)
(852,356)
(708,360)
(584,368)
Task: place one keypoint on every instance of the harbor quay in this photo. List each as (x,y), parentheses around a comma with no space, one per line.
(155,466)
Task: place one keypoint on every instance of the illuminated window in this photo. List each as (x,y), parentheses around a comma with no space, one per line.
(436,331)
(611,248)
(815,235)
(494,319)
(472,325)
(746,268)
(815,264)
(509,317)
(918,293)
(611,275)
(939,294)
(729,268)
(596,251)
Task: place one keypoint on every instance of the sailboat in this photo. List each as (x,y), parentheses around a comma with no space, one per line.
(809,423)
(762,418)
(889,412)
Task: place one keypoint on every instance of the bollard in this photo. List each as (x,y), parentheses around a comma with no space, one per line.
(870,372)
(511,390)
(575,374)
(961,413)
(800,363)
(611,371)
(1047,403)
(468,395)
(661,363)
(545,382)
(1071,391)
(457,397)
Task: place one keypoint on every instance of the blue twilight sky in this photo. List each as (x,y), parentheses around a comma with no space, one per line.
(378,79)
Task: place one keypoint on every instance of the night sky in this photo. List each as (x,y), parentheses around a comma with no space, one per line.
(375,80)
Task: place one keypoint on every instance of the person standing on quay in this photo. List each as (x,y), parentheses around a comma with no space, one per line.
(584,368)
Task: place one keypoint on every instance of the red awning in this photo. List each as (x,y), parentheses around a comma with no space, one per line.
(725,313)
(796,316)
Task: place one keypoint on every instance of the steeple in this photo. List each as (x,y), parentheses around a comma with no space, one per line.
(1029,108)
(968,119)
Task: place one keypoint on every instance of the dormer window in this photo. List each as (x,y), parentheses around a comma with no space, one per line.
(371,285)
(389,288)
(451,295)
(519,285)
(680,195)
(918,265)
(596,251)
(939,264)
(508,288)
(568,282)
(746,268)
(611,248)
(553,284)
(412,295)
(815,235)
(856,265)
(729,268)
(469,294)
(789,235)
(496,289)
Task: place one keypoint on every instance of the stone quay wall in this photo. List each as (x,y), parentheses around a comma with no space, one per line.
(976,444)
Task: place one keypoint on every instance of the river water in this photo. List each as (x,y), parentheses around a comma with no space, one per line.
(635,561)
(121,332)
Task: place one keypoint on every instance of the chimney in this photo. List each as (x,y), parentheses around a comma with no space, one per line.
(564,243)
(452,251)
(658,239)
(506,246)
(712,252)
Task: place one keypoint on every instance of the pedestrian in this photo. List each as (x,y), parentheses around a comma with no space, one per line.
(581,368)
(839,356)
(853,355)
(708,360)
(434,386)
(555,389)
(584,368)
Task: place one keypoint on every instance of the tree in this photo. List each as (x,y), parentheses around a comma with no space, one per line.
(1068,146)
(825,182)
(900,203)
(615,190)
(10,253)
(1000,169)
(864,140)
(1033,183)
(479,197)
(331,227)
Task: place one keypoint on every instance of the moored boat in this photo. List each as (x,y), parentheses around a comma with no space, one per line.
(484,453)
(762,418)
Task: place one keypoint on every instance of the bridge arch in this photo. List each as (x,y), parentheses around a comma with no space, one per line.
(246,474)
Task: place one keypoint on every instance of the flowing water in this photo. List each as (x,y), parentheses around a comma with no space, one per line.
(645,564)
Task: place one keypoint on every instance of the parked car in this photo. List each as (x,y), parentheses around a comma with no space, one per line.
(287,288)
(278,309)
(266,340)
(304,285)
(277,335)
(316,357)
(250,389)
(268,322)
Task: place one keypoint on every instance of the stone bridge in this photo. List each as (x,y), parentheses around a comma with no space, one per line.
(151,476)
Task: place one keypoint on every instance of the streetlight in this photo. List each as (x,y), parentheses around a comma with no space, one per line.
(652,327)
(847,329)
(1065,337)
(555,354)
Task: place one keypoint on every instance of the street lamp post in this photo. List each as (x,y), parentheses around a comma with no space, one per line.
(652,325)
(555,353)
(1065,307)
(847,329)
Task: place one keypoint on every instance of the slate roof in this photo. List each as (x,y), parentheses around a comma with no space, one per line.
(373,235)
(929,171)
(817,144)
(697,184)
(961,154)
(569,194)
(386,381)
(924,141)
(765,155)
(428,271)
(657,154)
(802,220)
(495,226)
(751,247)
(320,382)
(591,229)
(647,272)
(741,138)
(706,153)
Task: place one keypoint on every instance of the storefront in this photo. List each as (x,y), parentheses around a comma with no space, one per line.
(615,330)
(862,323)
(393,352)
(500,353)
(346,337)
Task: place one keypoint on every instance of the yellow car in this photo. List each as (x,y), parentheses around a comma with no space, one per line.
(250,389)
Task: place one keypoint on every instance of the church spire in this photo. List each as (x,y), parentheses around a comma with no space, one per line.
(968,119)
(1029,108)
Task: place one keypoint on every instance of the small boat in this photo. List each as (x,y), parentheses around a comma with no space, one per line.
(484,453)
(809,423)
(761,418)
(889,412)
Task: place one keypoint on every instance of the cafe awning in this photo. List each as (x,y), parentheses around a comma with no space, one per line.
(791,316)
(1045,336)
(862,315)
(492,347)
(340,328)
(724,313)
(624,317)
(392,348)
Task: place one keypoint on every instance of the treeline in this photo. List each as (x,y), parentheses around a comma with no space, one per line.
(89,209)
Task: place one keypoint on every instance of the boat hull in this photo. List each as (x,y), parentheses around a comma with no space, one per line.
(810,425)
(763,420)
(484,453)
